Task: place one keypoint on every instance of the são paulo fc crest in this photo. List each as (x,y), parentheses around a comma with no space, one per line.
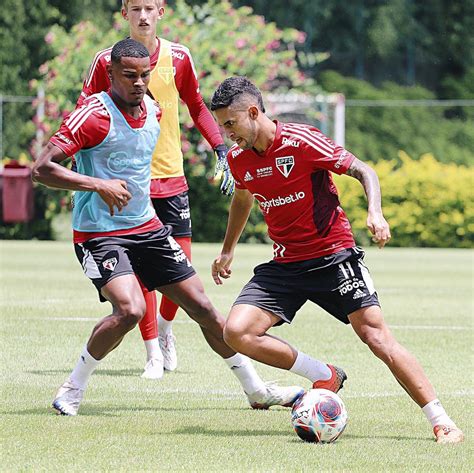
(110,264)
(166,73)
(285,164)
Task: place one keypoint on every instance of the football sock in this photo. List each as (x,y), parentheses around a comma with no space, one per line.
(153,351)
(84,368)
(243,369)
(436,414)
(164,326)
(149,325)
(309,368)
(168,308)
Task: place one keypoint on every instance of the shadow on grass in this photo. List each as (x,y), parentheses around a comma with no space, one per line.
(200,430)
(125,372)
(107,411)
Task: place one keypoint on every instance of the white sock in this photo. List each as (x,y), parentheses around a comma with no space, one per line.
(164,326)
(243,369)
(309,368)
(436,414)
(84,368)
(153,351)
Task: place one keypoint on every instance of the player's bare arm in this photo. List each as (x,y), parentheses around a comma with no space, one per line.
(48,171)
(376,222)
(239,212)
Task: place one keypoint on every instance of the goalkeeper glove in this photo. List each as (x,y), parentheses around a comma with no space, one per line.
(222,170)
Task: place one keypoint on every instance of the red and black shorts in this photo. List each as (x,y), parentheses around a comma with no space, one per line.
(155,257)
(338,283)
(174,211)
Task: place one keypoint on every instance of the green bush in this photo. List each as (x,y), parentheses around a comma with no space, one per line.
(427,203)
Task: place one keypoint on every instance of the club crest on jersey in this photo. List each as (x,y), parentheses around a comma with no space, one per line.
(109,264)
(166,73)
(285,164)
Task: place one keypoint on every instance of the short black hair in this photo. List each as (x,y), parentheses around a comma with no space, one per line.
(233,88)
(128,48)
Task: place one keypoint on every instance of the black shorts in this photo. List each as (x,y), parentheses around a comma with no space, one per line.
(174,211)
(154,257)
(339,283)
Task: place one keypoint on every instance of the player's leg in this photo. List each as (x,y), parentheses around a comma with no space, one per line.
(369,324)
(346,291)
(149,331)
(173,211)
(128,308)
(246,331)
(273,296)
(107,264)
(190,296)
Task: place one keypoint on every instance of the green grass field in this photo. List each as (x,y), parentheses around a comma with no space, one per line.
(197,419)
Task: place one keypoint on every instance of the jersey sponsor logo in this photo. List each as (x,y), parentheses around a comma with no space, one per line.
(341,159)
(248,177)
(178,254)
(285,164)
(265,172)
(166,73)
(185,214)
(110,264)
(351,285)
(177,55)
(236,152)
(294,143)
(120,160)
(266,205)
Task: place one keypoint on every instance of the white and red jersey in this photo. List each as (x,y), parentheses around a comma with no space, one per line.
(292,183)
(87,127)
(186,85)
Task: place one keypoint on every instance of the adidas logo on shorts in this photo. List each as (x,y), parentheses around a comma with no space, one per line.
(358,294)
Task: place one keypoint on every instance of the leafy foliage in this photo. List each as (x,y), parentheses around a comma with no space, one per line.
(376,133)
(425,202)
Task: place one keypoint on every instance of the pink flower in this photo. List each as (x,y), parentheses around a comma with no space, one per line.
(49,38)
(272,45)
(185,146)
(166,30)
(43,69)
(301,38)
(117,26)
(241,43)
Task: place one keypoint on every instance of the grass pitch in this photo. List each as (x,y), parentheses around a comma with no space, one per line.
(197,418)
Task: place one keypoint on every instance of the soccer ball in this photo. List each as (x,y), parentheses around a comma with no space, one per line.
(319,416)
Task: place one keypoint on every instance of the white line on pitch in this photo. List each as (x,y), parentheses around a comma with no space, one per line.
(431,327)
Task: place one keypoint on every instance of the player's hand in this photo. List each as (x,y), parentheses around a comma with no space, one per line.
(114,193)
(222,171)
(220,268)
(379,227)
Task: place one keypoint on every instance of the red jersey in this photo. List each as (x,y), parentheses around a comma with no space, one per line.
(86,127)
(292,183)
(187,86)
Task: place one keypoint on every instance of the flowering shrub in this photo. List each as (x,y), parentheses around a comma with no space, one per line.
(426,203)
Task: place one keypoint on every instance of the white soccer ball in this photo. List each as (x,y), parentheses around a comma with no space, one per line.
(319,416)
